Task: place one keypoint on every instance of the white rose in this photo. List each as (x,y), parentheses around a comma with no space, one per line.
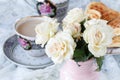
(61,47)
(99,37)
(95,22)
(97,51)
(45,30)
(48,19)
(75,15)
(73,29)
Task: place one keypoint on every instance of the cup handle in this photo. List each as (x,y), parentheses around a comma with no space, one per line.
(37,5)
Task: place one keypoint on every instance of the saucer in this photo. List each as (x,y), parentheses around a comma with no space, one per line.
(17,55)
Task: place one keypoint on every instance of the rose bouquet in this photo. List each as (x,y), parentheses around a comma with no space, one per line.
(80,38)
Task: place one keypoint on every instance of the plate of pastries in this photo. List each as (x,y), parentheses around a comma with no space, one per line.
(99,10)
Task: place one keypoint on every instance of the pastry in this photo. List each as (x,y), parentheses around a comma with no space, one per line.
(110,15)
(97,6)
(106,13)
(93,14)
(117,31)
(115,42)
(115,23)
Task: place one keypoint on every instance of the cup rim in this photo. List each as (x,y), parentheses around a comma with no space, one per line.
(19,20)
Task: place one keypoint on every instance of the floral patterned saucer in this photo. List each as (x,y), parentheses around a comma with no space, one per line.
(14,53)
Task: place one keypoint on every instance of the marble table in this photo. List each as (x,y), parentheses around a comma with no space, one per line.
(11,11)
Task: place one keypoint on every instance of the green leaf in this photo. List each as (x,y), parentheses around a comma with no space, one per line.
(99,62)
(82,26)
(82,54)
(89,56)
(80,43)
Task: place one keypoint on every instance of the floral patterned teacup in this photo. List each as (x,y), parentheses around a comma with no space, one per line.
(24,29)
(53,8)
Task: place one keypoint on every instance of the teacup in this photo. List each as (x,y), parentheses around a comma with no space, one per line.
(53,8)
(25,30)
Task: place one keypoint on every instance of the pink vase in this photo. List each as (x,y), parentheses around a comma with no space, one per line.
(86,71)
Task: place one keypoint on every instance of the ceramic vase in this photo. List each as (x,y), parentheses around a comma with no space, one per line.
(79,71)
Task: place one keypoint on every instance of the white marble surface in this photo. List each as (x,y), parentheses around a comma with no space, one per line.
(10,11)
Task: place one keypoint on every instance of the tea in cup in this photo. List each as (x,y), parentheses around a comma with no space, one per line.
(25,30)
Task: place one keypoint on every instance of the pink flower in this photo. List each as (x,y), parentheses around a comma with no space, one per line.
(45,9)
(22,42)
